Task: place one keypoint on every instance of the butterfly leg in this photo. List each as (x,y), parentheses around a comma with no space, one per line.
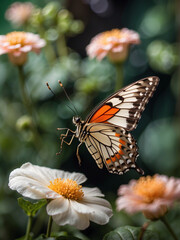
(63,136)
(61,129)
(77,153)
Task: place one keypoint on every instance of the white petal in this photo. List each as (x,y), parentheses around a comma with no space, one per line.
(80,221)
(78,177)
(101,214)
(97,201)
(26,48)
(32,181)
(41,174)
(41,43)
(80,207)
(52,195)
(58,206)
(94,192)
(100,217)
(30,174)
(97,213)
(28,187)
(14,46)
(102,210)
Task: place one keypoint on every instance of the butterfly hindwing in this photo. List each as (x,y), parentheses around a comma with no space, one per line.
(93,147)
(112,145)
(124,108)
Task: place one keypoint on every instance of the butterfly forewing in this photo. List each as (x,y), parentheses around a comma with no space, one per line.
(124,108)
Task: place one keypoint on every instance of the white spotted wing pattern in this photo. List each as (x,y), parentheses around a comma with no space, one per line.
(106,130)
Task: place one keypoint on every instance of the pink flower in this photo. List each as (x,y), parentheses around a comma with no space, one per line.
(18,44)
(19,13)
(114,44)
(151,195)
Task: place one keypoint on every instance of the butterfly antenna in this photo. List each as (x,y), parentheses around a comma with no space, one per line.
(60,83)
(47,84)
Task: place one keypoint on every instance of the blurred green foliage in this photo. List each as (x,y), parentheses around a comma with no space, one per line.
(87,82)
(129,232)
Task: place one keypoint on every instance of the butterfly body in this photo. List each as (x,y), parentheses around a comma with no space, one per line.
(106,131)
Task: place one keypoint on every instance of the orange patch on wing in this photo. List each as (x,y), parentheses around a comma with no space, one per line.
(122,142)
(117,134)
(116,157)
(103,114)
(121,152)
(108,161)
(113,158)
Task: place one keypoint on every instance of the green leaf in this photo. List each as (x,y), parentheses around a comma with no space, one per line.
(42,237)
(60,236)
(69,234)
(24,237)
(130,233)
(29,207)
(68,238)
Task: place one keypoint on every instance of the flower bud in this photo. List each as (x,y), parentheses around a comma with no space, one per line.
(24,123)
(36,18)
(77,26)
(50,10)
(51,34)
(64,15)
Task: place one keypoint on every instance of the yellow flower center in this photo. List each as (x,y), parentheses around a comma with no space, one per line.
(115,33)
(150,188)
(67,188)
(14,38)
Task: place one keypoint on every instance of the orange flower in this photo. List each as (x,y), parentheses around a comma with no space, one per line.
(114,44)
(151,195)
(19,13)
(18,44)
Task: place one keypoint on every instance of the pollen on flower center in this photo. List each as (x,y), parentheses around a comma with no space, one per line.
(150,188)
(67,188)
(109,35)
(14,38)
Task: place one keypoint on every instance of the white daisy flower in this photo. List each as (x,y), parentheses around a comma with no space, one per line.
(70,202)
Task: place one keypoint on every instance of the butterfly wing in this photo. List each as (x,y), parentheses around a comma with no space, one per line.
(124,107)
(112,145)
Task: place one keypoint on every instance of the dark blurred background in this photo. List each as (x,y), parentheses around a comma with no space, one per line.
(88,82)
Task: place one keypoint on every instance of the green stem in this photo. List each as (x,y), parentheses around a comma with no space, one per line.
(25,97)
(61,46)
(28,229)
(119,76)
(50,52)
(50,222)
(29,106)
(163,219)
(143,229)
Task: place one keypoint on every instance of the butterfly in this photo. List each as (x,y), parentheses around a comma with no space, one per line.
(106,131)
